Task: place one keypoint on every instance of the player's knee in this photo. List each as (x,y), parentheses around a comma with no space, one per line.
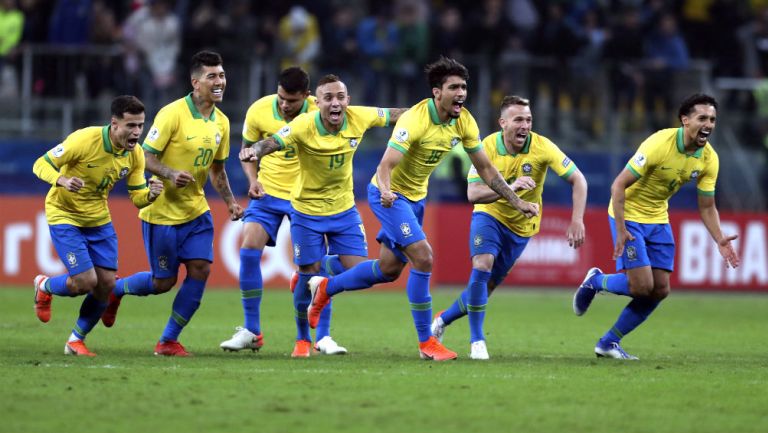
(660,292)
(163,285)
(391,269)
(199,271)
(84,283)
(641,288)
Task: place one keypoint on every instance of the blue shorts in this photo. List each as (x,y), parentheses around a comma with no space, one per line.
(82,248)
(168,246)
(344,232)
(654,245)
(488,236)
(268,212)
(400,224)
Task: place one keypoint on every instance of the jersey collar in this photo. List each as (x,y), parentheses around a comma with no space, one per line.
(195,113)
(433,114)
(681,145)
(107,142)
(276,111)
(321,129)
(502,149)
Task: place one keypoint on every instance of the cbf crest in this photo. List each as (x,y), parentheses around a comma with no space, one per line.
(71,259)
(478,240)
(353,143)
(123,172)
(162,262)
(296,251)
(694,174)
(631,253)
(527,168)
(405,229)
(455,141)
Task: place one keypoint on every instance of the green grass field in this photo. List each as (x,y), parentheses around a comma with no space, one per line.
(703,368)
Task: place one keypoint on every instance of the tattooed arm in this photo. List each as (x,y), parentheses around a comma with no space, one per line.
(220,183)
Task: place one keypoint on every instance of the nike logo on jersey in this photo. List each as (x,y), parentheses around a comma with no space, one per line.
(191,137)
(92,165)
(666,168)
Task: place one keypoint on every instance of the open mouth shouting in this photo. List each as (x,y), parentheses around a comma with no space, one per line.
(456,107)
(703,136)
(334,116)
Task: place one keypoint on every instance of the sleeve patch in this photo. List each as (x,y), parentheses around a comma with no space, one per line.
(401,135)
(284,132)
(154,133)
(639,159)
(380,111)
(566,161)
(58,151)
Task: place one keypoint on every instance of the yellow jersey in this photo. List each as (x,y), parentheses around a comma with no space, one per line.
(661,166)
(184,140)
(538,154)
(324,185)
(88,154)
(279,170)
(425,141)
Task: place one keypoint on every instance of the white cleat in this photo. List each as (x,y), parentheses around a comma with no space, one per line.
(243,339)
(327,346)
(478,351)
(612,350)
(438,327)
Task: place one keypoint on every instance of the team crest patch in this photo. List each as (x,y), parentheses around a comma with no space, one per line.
(162,262)
(154,133)
(566,161)
(527,168)
(694,174)
(639,159)
(380,112)
(296,251)
(123,172)
(218,138)
(401,135)
(284,131)
(58,151)
(455,141)
(405,228)
(478,240)
(71,259)
(631,253)
(353,142)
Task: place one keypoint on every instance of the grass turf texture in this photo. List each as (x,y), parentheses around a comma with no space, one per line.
(703,368)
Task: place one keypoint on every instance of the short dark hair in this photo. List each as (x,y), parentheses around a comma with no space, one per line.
(440,70)
(294,79)
(126,104)
(696,99)
(330,78)
(204,58)
(510,100)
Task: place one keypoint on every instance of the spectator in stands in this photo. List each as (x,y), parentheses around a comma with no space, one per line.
(340,43)
(298,39)
(377,39)
(410,54)
(102,71)
(11,27)
(447,34)
(623,52)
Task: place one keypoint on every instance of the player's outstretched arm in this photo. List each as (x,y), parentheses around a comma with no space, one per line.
(480,193)
(220,183)
(711,218)
(179,178)
(395,113)
(491,176)
(576,231)
(256,151)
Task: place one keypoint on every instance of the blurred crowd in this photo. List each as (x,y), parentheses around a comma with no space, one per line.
(623,54)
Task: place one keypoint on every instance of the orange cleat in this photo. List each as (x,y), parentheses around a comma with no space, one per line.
(320,298)
(294,281)
(77,348)
(110,314)
(435,351)
(301,349)
(170,348)
(42,299)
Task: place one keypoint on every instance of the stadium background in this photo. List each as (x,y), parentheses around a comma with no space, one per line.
(602,75)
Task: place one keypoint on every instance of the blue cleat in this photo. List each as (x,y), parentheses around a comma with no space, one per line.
(611,349)
(585,293)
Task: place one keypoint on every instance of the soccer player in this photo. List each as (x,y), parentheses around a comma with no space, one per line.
(499,233)
(83,169)
(422,138)
(188,141)
(324,217)
(643,244)
(270,193)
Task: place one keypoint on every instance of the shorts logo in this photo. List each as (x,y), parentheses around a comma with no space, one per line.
(639,159)
(566,161)
(401,135)
(694,174)
(296,251)
(455,141)
(631,253)
(527,168)
(71,259)
(218,138)
(154,133)
(58,151)
(284,131)
(353,143)
(162,262)
(405,228)
(123,172)
(478,240)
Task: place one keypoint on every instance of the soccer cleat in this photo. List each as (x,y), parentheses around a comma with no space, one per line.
(478,350)
(585,293)
(301,349)
(435,351)
(170,348)
(327,346)
(77,348)
(243,339)
(110,314)
(319,300)
(294,281)
(612,350)
(438,326)
(42,299)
